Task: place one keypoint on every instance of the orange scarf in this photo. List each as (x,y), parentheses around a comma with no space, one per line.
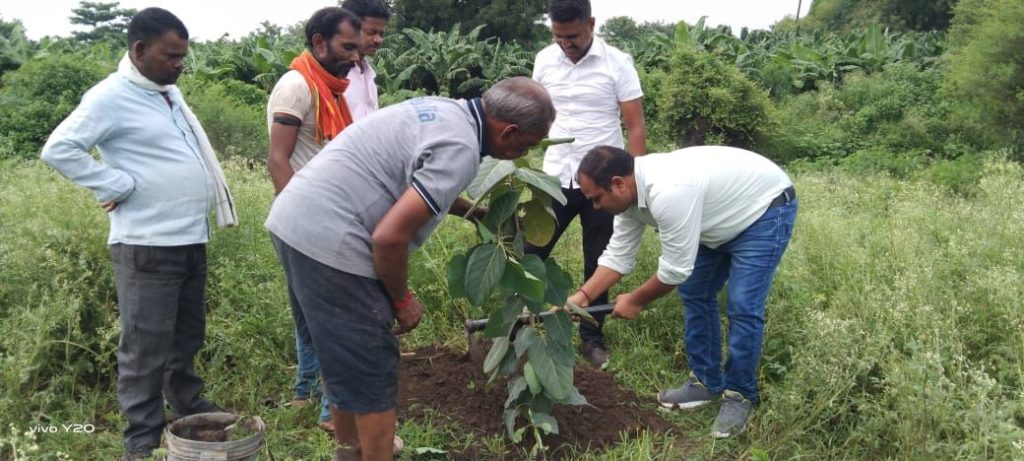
(332,114)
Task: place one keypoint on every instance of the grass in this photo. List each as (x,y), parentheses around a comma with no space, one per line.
(894,329)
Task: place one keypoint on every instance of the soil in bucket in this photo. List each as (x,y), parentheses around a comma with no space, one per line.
(215,436)
(449,383)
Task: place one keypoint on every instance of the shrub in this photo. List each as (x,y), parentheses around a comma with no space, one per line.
(35,98)
(703,101)
(233,114)
(897,110)
(986,73)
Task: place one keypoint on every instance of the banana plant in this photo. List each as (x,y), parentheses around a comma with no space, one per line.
(519,200)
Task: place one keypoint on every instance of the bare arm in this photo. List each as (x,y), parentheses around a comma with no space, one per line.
(636,132)
(603,279)
(391,239)
(462,206)
(282,144)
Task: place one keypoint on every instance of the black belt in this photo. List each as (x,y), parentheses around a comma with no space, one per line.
(785,197)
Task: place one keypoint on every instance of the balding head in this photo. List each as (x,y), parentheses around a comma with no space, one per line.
(520,101)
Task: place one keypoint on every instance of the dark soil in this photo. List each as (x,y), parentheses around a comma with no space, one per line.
(214,431)
(454,386)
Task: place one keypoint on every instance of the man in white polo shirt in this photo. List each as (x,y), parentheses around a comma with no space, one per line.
(592,85)
(723,215)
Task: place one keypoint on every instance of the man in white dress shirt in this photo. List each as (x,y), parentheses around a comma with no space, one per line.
(723,215)
(593,86)
(361,93)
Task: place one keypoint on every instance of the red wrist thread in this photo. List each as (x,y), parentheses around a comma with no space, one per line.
(586,295)
(403,303)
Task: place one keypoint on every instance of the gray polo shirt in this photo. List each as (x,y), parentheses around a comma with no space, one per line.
(329,209)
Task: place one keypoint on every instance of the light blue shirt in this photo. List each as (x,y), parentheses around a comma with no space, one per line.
(151,163)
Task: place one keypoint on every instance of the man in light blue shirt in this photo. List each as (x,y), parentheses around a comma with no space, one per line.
(157,183)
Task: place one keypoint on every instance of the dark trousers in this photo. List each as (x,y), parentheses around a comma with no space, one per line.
(161,299)
(597,231)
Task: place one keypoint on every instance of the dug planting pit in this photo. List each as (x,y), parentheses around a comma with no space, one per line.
(450,384)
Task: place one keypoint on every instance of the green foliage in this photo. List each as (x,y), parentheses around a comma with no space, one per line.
(15,47)
(846,15)
(519,209)
(700,100)
(986,73)
(232,113)
(108,22)
(259,58)
(507,20)
(35,98)
(897,110)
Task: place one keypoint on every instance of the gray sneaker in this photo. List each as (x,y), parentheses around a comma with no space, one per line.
(692,394)
(732,417)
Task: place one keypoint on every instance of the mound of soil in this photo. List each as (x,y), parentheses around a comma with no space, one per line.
(451,384)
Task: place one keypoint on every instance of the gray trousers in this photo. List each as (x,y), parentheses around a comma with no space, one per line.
(161,299)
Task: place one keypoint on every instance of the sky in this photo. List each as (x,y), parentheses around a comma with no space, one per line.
(210,19)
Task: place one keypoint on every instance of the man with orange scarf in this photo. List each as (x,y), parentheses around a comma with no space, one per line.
(306,109)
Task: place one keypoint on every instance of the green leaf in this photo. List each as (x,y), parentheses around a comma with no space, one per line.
(575,398)
(538,223)
(429,451)
(484,269)
(556,380)
(757,454)
(526,284)
(501,209)
(492,171)
(526,336)
(531,379)
(516,387)
(495,355)
(500,322)
(542,182)
(485,234)
(509,365)
(548,142)
(557,289)
(545,422)
(510,416)
(457,276)
(559,344)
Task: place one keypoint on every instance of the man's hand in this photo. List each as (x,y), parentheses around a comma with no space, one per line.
(409,317)
(108,206)
(579,299)
(626,308)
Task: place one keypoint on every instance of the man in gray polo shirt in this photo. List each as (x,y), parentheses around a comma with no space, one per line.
(345,224)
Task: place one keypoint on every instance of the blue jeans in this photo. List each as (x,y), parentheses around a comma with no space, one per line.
(748,263)
(308,375)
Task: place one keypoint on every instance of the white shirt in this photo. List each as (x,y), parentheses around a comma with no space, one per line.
(696,196)
(291,95)
(586,96)
(361,94)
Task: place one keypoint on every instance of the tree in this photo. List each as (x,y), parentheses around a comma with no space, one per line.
(107,21)
(986,72)
(509,20)
(15,47)
(619,30)
(518,211)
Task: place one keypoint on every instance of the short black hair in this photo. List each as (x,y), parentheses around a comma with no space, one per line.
(368,8)
(153,23)
(602,163)
(325,22)
(569,10)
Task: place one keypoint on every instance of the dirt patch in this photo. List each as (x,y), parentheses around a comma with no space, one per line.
(448,382)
